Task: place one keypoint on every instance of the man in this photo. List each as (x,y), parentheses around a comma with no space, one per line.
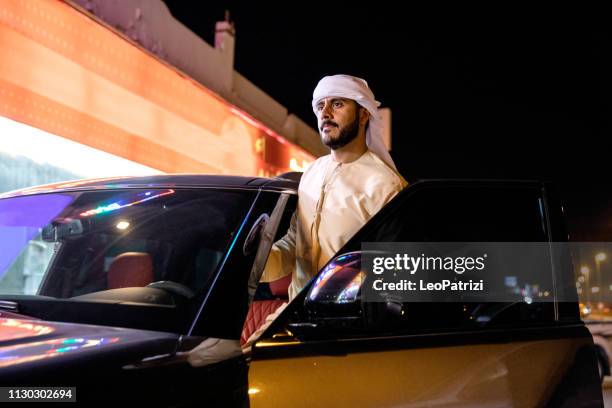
(337,195)
(339,192)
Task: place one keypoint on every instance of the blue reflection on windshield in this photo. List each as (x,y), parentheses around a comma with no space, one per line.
(21,218)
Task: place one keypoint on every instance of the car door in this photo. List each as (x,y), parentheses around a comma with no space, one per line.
(434,353)
(108,335)
(171,381)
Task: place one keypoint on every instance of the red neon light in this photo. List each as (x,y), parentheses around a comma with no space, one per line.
(65,73)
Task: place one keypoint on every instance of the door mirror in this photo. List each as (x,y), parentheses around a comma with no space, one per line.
(334,300)
(339,282)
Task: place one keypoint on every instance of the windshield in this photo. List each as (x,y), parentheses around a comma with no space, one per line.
(139,247)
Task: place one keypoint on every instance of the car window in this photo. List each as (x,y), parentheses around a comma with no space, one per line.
(225,309)
(436,213)
(181,233)
(263,288)
(460,214)
(109,247)
(285,221)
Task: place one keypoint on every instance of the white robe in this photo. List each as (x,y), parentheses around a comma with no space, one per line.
(334,201)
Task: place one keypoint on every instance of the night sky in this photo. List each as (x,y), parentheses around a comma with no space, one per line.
(501,97)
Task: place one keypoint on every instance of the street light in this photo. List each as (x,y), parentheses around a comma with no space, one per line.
(599,258)
(585,270)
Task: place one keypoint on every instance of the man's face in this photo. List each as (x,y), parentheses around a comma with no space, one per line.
(338,121)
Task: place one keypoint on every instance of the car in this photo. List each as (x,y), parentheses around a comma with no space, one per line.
(600,327)
(104,284)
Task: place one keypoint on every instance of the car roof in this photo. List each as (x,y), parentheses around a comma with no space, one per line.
(287,182)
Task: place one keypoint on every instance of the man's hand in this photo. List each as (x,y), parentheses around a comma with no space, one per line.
(212,350)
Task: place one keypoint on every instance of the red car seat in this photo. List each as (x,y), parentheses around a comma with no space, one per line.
(130,269)
(260,309)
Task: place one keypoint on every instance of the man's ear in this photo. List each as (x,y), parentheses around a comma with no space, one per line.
(364,116)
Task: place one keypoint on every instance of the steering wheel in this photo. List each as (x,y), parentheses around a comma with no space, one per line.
(173,288)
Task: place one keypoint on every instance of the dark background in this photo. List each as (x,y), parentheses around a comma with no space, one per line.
(472,95)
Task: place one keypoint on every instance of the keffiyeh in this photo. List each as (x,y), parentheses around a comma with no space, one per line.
(350,87)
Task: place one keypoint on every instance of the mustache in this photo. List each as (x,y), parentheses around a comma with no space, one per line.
(328,122)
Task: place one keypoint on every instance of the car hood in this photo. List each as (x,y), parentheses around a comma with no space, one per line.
(26,343)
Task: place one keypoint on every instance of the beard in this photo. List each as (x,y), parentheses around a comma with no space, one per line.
(346,135)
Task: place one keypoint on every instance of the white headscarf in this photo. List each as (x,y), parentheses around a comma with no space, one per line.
(350,87)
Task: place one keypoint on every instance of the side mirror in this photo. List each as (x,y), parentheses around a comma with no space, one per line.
(334,300)
(336,290)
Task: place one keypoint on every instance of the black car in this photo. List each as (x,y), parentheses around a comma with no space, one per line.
(105,283)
